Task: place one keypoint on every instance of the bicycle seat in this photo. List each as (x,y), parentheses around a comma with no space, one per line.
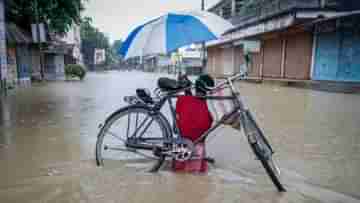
(167,84)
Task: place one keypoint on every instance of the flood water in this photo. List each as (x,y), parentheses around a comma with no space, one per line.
(48,134)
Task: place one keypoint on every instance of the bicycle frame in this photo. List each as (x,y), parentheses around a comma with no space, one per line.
(234,97)
(170,147)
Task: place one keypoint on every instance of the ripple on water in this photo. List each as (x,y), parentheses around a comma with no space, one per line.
(231,177)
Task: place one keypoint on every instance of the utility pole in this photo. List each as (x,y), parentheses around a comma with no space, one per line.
(203,48)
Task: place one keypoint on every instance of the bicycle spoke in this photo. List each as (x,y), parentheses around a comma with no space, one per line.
(128,126)
(136,121)
(145,155)
(137,129)
(114,135)
(130,150)
(106,147)
(133,141)
(147,126)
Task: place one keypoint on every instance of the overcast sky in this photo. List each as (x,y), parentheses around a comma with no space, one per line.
(117,17)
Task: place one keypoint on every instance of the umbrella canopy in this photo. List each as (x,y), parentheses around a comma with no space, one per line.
(167,33)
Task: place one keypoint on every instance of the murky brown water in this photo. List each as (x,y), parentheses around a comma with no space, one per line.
(48,134)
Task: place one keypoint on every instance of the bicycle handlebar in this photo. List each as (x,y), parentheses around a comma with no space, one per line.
(229,80)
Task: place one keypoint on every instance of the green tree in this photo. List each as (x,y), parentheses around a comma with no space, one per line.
(91,39)
(59,15)
(116,46)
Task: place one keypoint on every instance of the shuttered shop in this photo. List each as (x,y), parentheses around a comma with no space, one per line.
(210,65)
(272,58)
(228,60)
(215,61)
(254,70)
(298,56)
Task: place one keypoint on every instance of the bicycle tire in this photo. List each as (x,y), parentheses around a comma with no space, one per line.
(158,117)
(269,170)
(264,154)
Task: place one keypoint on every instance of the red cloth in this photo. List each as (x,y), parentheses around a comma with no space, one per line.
(198,165)
(192,117)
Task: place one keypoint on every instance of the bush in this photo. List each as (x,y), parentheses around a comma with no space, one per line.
(74,70)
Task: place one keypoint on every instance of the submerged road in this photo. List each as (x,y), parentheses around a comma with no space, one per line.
(48,134)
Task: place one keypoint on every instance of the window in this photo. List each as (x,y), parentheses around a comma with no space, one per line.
(238,5)
(226,11)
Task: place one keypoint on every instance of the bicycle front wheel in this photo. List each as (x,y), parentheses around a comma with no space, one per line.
(129,138)
(263,151)
(269,165)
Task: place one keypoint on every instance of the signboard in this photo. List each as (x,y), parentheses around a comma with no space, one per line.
(191,54)
(99,56)
(35,28)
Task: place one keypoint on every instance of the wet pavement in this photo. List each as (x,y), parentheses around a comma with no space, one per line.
(48,134)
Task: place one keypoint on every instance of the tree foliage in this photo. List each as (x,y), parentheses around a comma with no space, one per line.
(59,15)
(93,39)
(75,70)
(116,46)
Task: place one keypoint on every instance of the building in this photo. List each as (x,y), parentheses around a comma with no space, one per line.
(62,50)
(337,49)
(3,55)
(291,48)
(22,55)
(157,63)
(191,59)
(72,38)
(187,58)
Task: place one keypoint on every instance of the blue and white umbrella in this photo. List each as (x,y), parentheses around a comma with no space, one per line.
(169,32)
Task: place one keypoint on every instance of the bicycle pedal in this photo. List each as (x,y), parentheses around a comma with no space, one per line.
(210,160)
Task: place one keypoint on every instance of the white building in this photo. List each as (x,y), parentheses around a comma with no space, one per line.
(191,59)
(72,37)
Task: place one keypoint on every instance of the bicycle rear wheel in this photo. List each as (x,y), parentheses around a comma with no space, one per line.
(129,138)
(263,151)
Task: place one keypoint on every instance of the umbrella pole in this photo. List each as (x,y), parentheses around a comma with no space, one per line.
(203,48)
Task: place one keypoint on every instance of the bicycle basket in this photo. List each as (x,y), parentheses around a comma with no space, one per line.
(220,108)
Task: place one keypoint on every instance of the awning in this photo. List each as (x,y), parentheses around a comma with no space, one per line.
(279,24)
(62,49)
(338,16)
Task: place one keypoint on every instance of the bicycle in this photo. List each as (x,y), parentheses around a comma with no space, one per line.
(154,138)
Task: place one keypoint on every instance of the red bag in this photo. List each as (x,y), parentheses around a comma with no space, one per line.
(192,117)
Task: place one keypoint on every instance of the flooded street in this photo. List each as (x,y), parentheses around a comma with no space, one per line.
(48,134)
